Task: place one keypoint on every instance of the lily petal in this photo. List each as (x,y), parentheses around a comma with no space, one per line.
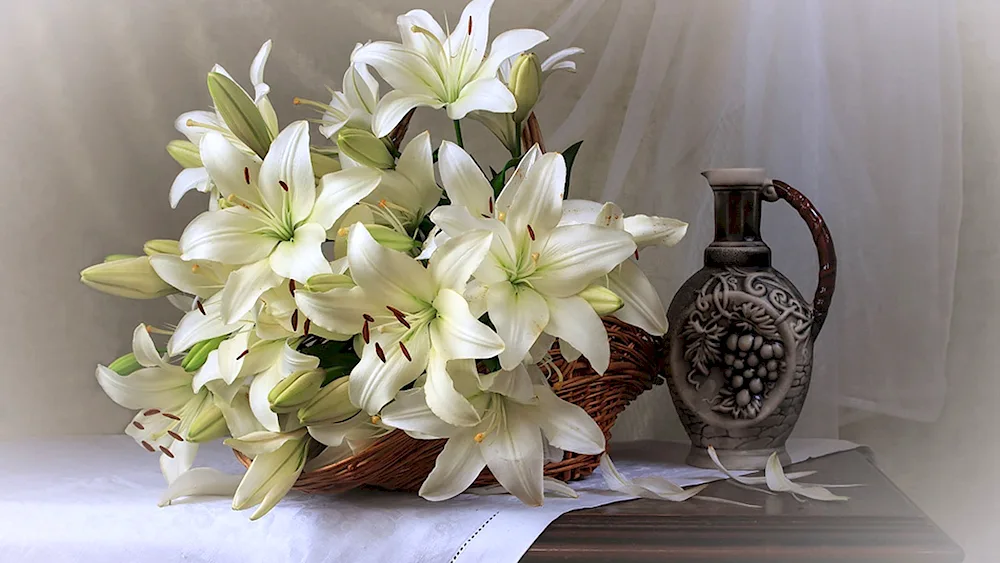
(573,320)
(195,326)
(374,383)
(538,202)
(399,279)
(199,277)
(230,235)
(485,94)
(200,481)
(187,180)
(508,44)
(456,467)
(409,412)
(514,454)
(288,162)
(649,231)
(340,310)
(520,315)
(270,477)
(234,172)
(263,442)
(396,104)
(144,349)
(302,257)
(244,287)
(463,180)
(340,191)
(567,426)
(161,388)
(455,261)
(575,255)
(641,305)
(444,401)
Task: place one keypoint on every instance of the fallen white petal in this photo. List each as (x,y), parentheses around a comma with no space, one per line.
(201,481)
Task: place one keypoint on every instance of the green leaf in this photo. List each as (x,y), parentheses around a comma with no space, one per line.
(499,178)
(570,155)
(240,113)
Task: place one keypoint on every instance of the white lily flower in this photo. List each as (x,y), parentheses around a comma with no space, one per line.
(421,321)
(268,363)
(536,268)
(409,191)
(518,409)
(432,69)
(354,105)
(641,302)
(201,278)
(168,404)
(278,222)
(195,124)
(278,462)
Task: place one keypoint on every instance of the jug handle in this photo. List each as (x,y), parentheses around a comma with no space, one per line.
(824,247)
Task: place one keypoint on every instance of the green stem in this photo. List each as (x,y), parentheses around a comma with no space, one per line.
(515,152)
(458,133)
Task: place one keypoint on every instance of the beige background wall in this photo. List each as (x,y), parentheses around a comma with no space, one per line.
(89,90)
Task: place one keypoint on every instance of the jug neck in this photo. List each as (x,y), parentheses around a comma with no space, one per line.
(737,199)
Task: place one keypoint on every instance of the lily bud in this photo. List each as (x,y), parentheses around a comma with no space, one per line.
(208,425)
(364,148)
(295,390)
(127,277)
(162,246)
(198,355)
(115,257)
(321,283)
(391,238)
(240,113)
(525,83)
(323,164)
(603,300)
(185,153)
(125,365)
(333,402)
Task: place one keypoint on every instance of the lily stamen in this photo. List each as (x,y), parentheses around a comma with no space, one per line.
(138,425)
(366,332)
(291,287)
(379,352)
(242,354)
(305,327)
(201,308)
(479,437)
(534,257)
(246,175)
(148,447)
(175,435)
(195,268)
(491,202)
(368,318)
(295,320)
(171,416)
(400,316)
(283,185)
(151,412)
(166,452)
(531,232)
(406,352)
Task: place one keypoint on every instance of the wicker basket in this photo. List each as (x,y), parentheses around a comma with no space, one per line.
(398,462)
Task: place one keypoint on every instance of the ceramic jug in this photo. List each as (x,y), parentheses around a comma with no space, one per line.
(739,348)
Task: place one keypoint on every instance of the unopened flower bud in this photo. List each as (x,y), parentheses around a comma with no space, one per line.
(209,425)
(198,354)
(364,148)
(331,403)
(323,164)
(185,153)
(391,238)
(125,365)
(525,83)
(161,246)
(116,257)
(295,390)
(603,300)
(321,283)
(127,277)
(240,114)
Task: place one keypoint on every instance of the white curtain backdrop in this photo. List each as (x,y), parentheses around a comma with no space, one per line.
(857,103)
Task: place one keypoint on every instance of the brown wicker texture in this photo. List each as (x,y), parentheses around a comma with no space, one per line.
(398,462)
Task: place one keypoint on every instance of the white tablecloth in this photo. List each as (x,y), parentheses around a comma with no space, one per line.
(93,499)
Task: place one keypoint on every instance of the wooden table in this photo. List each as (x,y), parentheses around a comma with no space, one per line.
(878,524)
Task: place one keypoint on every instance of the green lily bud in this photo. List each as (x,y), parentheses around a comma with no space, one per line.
(162,246)
(525,83)
(208,425)
(116,257)
(198,355)
(125,365)
(364,148)
(333,402)
(321,283)
(295,390)
(127,277)
(603,300)
(240,113)
(323,164)
(391,238)
(185,153)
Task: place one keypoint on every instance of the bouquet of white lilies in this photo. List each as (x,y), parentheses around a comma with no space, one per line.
(435,316)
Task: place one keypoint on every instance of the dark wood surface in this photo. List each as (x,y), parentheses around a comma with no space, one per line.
(878,524)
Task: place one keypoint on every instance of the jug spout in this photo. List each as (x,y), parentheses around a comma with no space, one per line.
(735,177)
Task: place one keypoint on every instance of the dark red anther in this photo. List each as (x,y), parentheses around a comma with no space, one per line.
(295,320)
(242,355)
(197,303)
(175,435)
(305,327)
(369,318)
(636,254)
(171,416)
(166,452)
(283,185)
(151,412)
(379,352)
(365,333)
(400,316)
(491,205)
(291,287)
(137,425)
(246,174)
(146,445)
(406,352)
(470,25)
(531,232)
